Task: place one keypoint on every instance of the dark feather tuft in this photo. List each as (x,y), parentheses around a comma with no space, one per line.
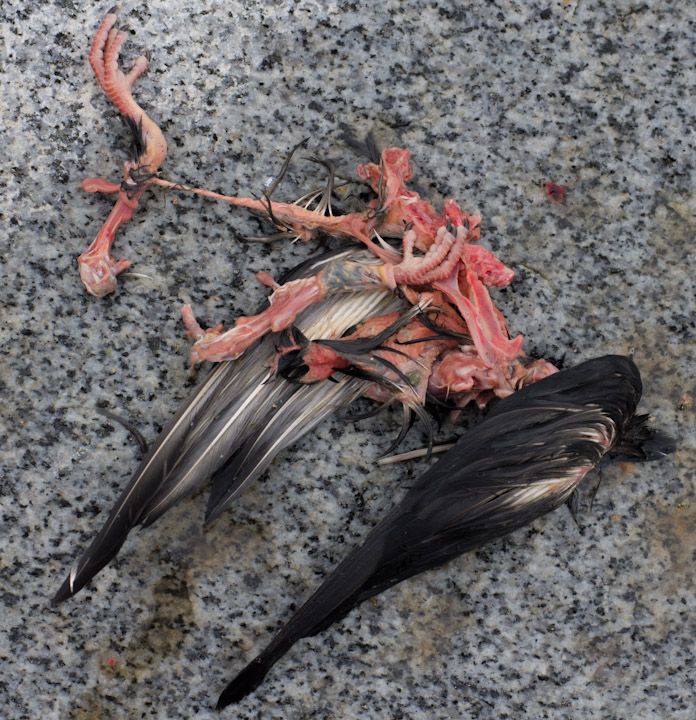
(366,148)
(138,138)
(640,442)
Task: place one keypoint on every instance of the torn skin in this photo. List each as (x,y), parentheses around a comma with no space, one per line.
(486,325)
(441,367)
(98,269)
(395,210)
(495,366)
(460,271)
(399,205)
(305,224)
(412,361)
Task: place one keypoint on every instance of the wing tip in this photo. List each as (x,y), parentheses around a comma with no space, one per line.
(62,595)
(217,504)
(245,683)
(67,589)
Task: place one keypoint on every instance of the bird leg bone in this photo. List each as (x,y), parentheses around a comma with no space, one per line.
(498,353)
(285,303)
(305,224)
(98,269)
(395,209)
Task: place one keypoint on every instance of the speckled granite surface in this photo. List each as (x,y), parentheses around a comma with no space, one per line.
(493,100)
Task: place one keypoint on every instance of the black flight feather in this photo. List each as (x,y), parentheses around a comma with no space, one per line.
(525,459)
(363,345)
(139,145)
(143,485)
(310,405)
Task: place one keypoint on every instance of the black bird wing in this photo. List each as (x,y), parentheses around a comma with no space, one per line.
(309,405)
(235,402)
(522,461)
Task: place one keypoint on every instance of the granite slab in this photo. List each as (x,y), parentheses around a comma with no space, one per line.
(494,99)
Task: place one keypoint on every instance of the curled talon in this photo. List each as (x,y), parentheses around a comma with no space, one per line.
(193,329)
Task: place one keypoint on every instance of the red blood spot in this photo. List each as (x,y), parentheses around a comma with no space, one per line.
(111,662)
(555,191)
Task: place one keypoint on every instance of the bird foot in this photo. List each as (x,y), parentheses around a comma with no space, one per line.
(98,270)
(439,261)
